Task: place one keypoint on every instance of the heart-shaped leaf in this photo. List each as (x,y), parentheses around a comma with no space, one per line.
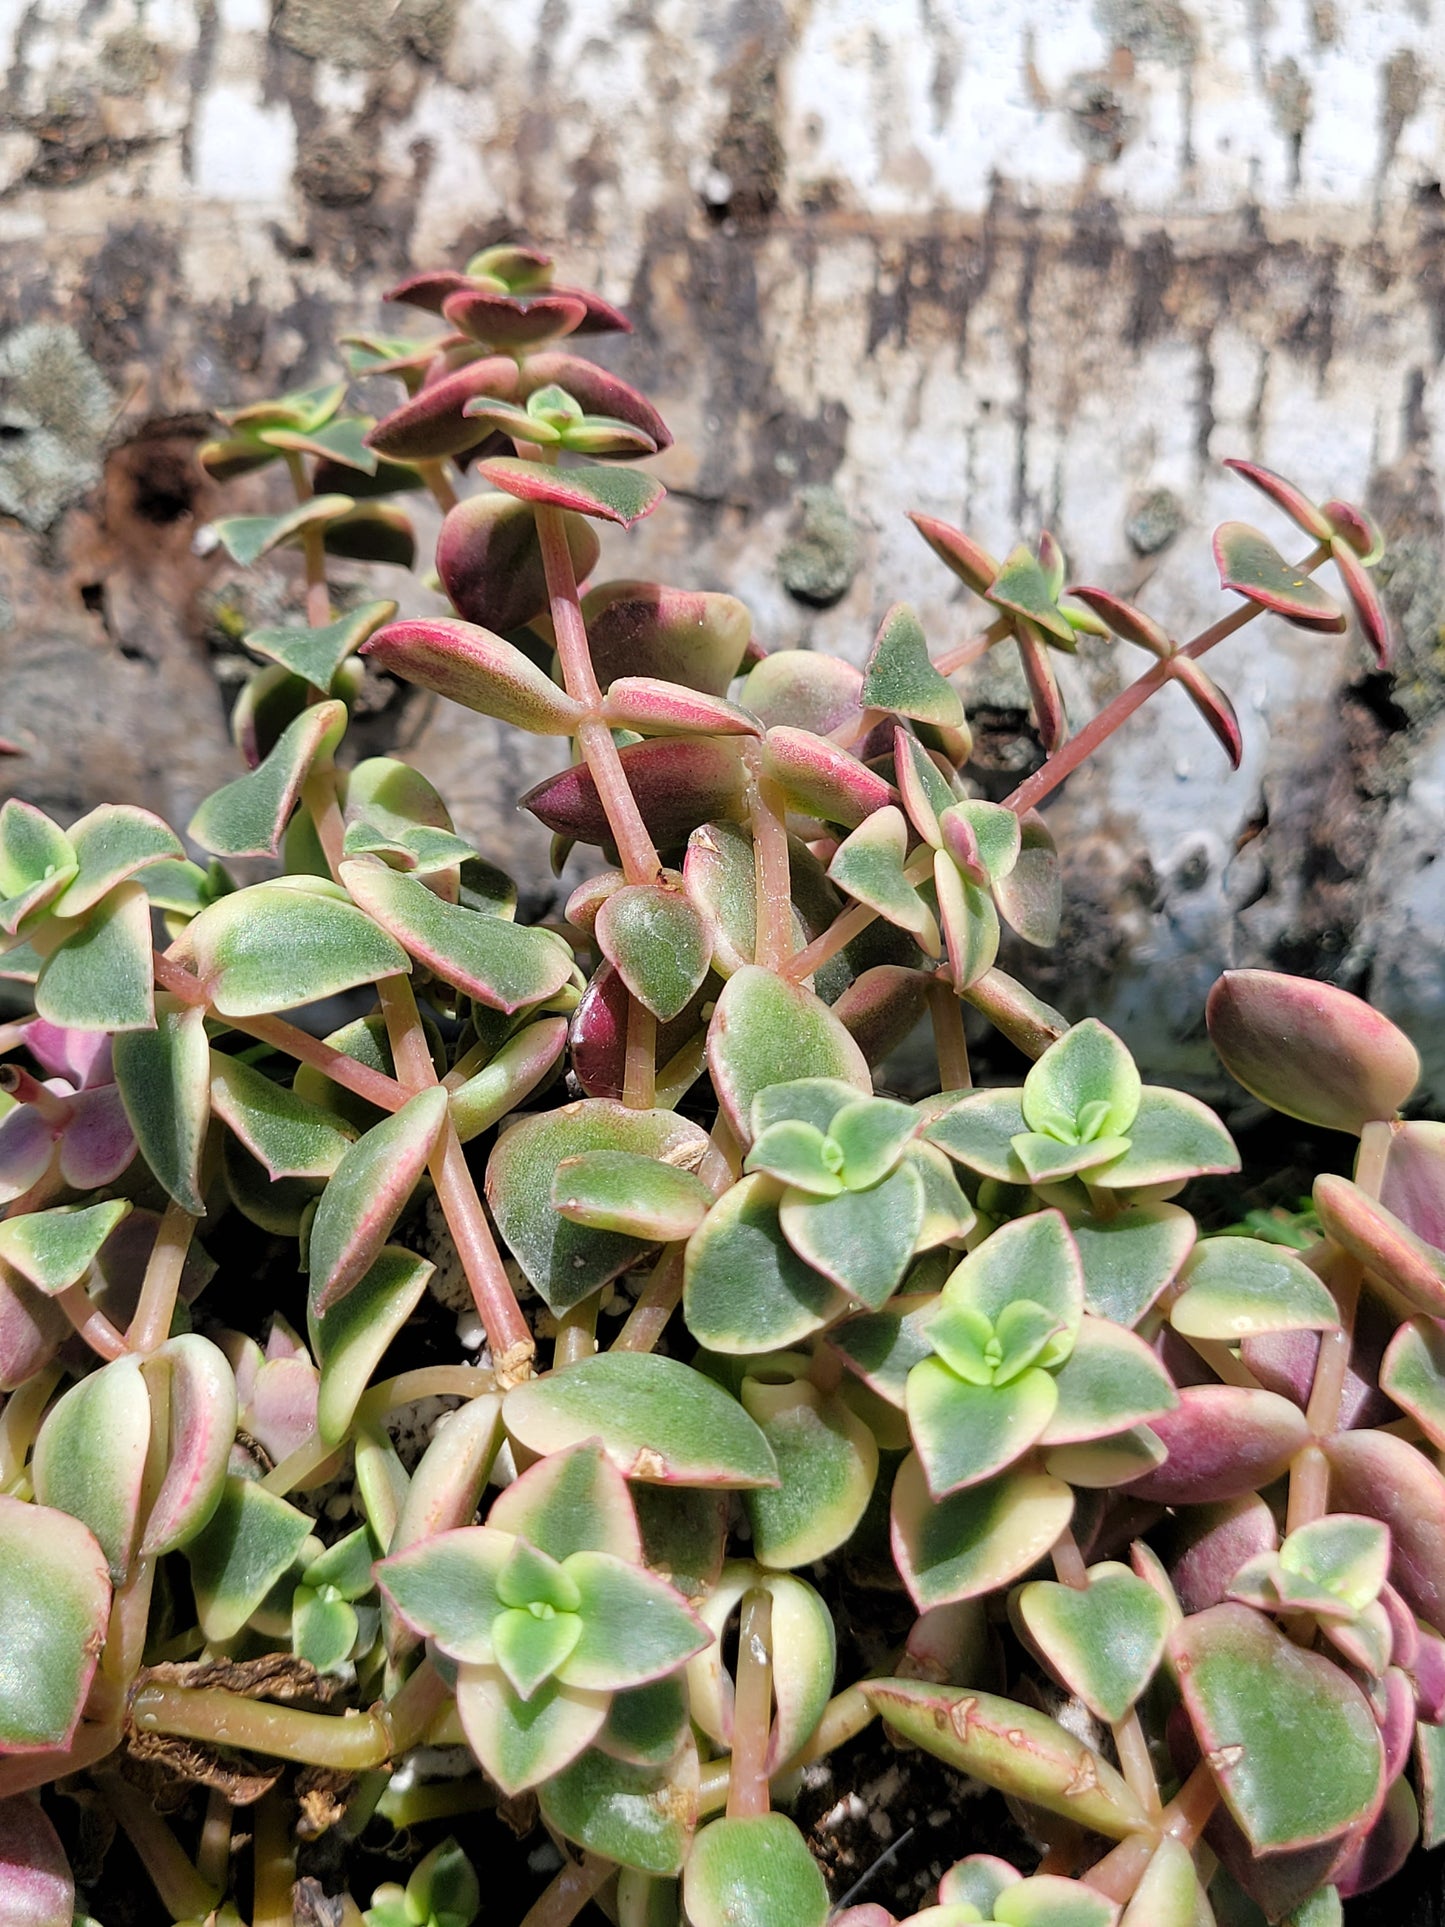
(745,1289)
(562,1260)
(1413,1375)
(317,654)
(1131,1257)
(55,1249)
(1022,587)
(110,844)
(430,423)
(862,1240)
(657,1420)
(246,538)
(868,866)
(522,1743)
(641,1815)
(679,782)
(163,1079)
(366,1195)
(57,1599)
(270,948)
(250,1540)
(501,964)
(658,944)
(1104,1640)
(1296,1765)
(1173,1136)
(1014,1748)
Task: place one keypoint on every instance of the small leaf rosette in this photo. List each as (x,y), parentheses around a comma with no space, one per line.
(547,1612)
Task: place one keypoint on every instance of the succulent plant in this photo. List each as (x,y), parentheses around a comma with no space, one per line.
(1180,1486)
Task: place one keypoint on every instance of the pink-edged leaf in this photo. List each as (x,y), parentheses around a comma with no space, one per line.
(969,561)
(366,1194)
(507,321)
(90,1456)
(1024,588)
(490,561)
(900,677)
(598,1035)
(1409,1271)
(57,1601)
(621,495)
(98,1143)
(27,1144)
(765,1031)
(1359,529)
(35,1877)
(658,943)
(1298,1764)
(923,787)
(1252,566)
(574,1500)
(1223,1441)
(429,289)
(1388,1479)
(1365,598)
(1212,1542)
(819,779)
(696,637)
(1413,1186)
(804,689)
(597,391)
(655,708)
(679,783)
(201,1425)
(1310,1050)
(431,424)
(1212,703)
(471,666)
(1126,621)
(1044,692)
(1385,1848)
(1015,1748)
(32,1330)
(351,1337)
(81,1057)
(1030,897)
(1295,503)
(881,1006)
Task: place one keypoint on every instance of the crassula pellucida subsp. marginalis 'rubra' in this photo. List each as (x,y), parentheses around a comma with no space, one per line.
(1185,1483)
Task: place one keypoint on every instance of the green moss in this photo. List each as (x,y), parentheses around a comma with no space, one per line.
(818,565)
(56,409)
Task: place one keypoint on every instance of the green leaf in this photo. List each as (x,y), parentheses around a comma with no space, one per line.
(447,1588)
(350,1337)
(498,962)
(862,1240)
(271,947)
(968,1433)
(33,848)
(969,922)
(530,1649)
(1252,566)
(1110,1381)
(868,866)
(57,1602)
(162,1076)
(753,1872)
(524,1742)
(1130,1258)
(565,1261)
(798,1154)
(111,844)
(1296,1765)
(815,1101)
(1084,1087)
(572,1501)
(247,817)
(979,1131)
(518,1068)
(1030,897)
(635,1814)
(246,538)
(250,1540)
(287,1136)
(658,944)
(55,1249)
(1051,1900)
(827,1461)
(1022,588)
(1013,1748)
(1236,1288)
(100,978)
(768,1031)
(1173,1136)
(1104,1640)
(976,1540)
(90,1456)
(366,1195)
(745,1290)
(899,677)
(339,441)
(1033,1257)
(637,1196)
(635,1628)
(802,1630)
(871,1134)
(622,495)
(323,1630)
(1413,1375)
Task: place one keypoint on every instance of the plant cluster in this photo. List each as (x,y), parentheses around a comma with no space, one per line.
(1166,1505)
